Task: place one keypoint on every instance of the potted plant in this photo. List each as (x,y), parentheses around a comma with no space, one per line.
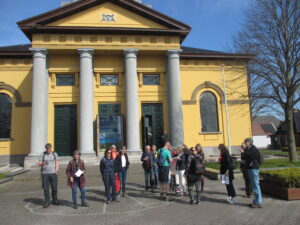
(283,183)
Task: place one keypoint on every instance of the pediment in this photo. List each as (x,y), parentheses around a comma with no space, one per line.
(101,16)
(107,15)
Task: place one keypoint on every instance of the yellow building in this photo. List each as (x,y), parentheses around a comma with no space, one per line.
(99,72)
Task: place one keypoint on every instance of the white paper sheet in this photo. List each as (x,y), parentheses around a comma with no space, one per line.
(79,173)
(225,179)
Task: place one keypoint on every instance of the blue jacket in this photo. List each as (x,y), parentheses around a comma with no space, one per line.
(107,166)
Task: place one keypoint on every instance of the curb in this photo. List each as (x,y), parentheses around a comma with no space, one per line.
(10,176)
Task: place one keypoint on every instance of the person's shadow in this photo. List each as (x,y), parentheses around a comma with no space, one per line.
(39,201)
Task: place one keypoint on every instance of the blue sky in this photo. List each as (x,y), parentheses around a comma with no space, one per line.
(213,22)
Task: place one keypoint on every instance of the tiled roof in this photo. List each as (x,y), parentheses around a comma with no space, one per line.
(267,119)
(259,129)
(15,48)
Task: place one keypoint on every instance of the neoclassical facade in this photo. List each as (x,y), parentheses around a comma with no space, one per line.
(99,72)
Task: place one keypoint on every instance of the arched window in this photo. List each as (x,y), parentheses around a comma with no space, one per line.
(5,115)
(209,113)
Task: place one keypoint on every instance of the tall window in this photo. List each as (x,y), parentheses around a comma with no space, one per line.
(209,113)
(5,115)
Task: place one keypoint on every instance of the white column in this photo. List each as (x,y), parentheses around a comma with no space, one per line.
(132,114)
(86,101)
(175,100)
(39,110)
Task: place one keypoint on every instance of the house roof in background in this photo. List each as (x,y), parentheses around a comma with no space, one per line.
(267,119)
(259,129)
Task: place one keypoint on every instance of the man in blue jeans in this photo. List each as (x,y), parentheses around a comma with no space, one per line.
(253,161)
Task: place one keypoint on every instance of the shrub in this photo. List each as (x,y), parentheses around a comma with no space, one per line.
(289,178)
(2,175)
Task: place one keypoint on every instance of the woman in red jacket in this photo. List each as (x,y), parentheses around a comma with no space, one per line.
(75,172)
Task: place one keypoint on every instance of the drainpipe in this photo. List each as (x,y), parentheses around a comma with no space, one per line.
(226,110)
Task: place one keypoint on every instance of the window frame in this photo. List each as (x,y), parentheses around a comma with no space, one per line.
(109,85)
(151,74)
(9,137)
(65,74)
(207,131)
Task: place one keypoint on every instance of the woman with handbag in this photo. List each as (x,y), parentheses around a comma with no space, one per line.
(194,171)
(226,172)
(75,172)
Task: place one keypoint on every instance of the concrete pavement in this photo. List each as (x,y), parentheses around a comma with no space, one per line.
(21,203)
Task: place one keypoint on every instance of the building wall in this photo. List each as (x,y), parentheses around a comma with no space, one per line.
(15,81)
(196,77)
(262,142)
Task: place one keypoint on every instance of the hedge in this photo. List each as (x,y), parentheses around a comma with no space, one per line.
(289,178)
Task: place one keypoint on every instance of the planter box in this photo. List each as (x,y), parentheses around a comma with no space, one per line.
(281,192)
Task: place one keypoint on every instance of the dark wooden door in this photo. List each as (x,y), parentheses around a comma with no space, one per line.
(65,132)
(152,123)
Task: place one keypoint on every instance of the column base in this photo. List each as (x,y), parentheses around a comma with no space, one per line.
(134,156)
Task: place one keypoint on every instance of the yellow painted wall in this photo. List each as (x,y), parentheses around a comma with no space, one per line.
(195,73)
(93,18)
(17,73)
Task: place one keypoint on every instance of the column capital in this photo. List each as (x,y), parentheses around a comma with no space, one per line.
(39,52)
(128,51)
(86,52)
(174,52)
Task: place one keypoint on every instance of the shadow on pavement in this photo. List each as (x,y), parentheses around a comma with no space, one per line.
(39,201)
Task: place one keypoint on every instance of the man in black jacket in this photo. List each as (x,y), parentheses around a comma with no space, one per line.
(252,158)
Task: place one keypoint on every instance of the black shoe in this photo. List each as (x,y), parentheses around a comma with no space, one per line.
(84,204)
(123,194)
(197,203)
(55,202)
(107,202)
(116,200)
(75,206)
(46,204)
(255,206)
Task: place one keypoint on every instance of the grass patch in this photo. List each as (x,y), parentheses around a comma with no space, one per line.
(2,175)
(272,152)
(268,163)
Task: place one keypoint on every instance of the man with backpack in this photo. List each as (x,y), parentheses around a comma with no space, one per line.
(253,159)
(164,162)
(49,169)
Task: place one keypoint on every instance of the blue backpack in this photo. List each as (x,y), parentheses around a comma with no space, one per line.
(161,159)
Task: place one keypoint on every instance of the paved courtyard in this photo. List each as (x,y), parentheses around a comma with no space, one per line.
(21,203)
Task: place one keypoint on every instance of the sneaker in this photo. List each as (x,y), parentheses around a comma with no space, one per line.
(228,199)
(197,202)
(162,196)
(168,198)
(231,201)
(123,194)
(192,202)
(46,204)
(253,206)
(116,200)
(107,202)
(84,204)
(75,206)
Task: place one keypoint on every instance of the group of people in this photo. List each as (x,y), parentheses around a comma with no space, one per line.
(251,159)
(173,171)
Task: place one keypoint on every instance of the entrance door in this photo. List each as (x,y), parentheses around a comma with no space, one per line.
(65,133)
(152,124)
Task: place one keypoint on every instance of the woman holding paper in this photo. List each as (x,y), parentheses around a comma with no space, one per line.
(75,172)
(227,172)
